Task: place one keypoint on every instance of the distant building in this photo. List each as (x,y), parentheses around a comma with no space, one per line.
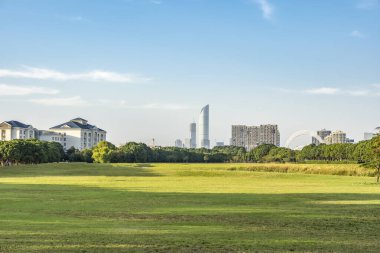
(203,134)
(219,144)
(348,140)
(269,134)
(336,137)
(79,134)
(250,137)
(369,136)
(239,135)
(51,136)
(321,133)
(193,135)
(11,130)
(178,143)
(187,143)
(253,137)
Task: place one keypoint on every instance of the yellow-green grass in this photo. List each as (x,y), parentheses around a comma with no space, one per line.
(186,208)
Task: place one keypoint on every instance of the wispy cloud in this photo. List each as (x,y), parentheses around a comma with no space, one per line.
(267,8)
(348,92)
(49,74)
(357,34)
(367,4)
(68,101)
(12,90)
(333,91)
(323,90)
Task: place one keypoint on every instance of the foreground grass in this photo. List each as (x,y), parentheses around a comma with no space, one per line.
(185,208)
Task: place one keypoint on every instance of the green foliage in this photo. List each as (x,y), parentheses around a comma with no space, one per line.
(101,153)
(30,152)
(257,154)
(373,159)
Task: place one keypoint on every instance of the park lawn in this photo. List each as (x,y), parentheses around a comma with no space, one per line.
(185,208)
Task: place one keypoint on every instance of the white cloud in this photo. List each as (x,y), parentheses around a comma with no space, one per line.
(12,90)
(357,34)
(347,92)
(48,74)
(367,4)
(369,91)
(266,8)
(323,91)
(69,101)
(376,85)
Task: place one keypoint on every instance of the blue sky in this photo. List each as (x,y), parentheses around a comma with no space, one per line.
(143,69)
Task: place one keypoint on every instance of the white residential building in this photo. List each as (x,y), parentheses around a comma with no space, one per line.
(79,134)
(11,130)
(51,136)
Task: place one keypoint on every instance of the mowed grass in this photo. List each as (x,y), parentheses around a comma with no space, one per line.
(185,208)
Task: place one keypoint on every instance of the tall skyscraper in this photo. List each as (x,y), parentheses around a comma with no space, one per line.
(250,137)
(204,138)
(193,135)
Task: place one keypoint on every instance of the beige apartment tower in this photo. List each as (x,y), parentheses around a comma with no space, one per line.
(250,137)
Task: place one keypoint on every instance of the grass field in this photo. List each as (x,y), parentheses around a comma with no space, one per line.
(186,208)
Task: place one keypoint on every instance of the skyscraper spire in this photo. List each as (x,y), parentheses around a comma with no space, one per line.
(204,138)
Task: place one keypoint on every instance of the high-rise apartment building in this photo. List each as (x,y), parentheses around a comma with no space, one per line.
(250,137)
(336,137)
(193,135)
(269,134)
(239,135)
(321,133)
(204,138)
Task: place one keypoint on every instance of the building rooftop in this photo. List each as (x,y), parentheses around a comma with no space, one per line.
(77,123)
(15,123)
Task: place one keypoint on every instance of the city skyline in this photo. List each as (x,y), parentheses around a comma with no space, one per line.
(142,69)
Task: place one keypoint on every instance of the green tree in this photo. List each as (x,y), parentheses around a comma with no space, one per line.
(101,152)
(374,157)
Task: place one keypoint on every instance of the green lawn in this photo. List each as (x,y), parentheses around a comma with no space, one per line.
(184,208)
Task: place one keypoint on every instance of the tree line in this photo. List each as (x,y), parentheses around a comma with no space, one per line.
(106,152)
(35,151)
